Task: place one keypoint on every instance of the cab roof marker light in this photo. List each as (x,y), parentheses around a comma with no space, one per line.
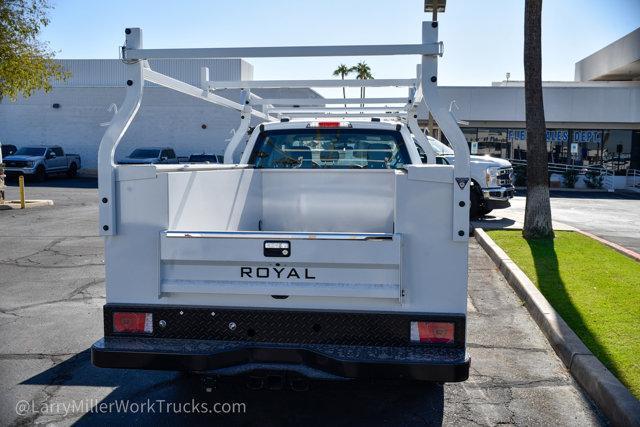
(329,125)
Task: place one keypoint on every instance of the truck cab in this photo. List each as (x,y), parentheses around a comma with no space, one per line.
(491,178)
(151,155)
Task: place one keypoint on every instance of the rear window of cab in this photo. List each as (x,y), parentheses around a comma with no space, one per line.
(318,148)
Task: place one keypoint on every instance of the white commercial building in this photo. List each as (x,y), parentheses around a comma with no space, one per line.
(74,114)
(598,114)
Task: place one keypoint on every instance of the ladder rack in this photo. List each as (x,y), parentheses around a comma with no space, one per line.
(422,90)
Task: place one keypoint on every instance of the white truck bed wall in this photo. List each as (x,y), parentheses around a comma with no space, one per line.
(282,200)
(405,272)
(215,201)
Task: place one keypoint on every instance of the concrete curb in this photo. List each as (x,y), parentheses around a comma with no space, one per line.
(624,251)
(611,396)
(15,204)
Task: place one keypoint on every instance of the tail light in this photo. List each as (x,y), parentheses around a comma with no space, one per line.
(134,323)
(433,332)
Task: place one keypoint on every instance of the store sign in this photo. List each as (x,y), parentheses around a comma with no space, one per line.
(561,135)
(587,136)
(558,135)
(516,135)
(574,148)
(474,147)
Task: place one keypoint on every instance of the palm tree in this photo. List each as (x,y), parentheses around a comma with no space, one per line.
(363,72)
(343,71)
(537,217)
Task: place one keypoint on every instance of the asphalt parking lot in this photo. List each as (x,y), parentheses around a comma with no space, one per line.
(52,291)
(612,216)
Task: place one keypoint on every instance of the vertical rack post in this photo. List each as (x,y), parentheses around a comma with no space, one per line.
(241,132)
(134,84)
(448,125)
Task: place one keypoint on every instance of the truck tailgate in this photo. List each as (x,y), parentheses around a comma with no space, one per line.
(313,264)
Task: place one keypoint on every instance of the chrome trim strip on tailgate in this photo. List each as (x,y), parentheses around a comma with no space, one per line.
(279,235)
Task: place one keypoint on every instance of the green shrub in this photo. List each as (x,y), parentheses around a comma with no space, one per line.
(520,172)
(594,179)
(570,177)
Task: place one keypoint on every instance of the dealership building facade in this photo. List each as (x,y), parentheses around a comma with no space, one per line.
(590,121)
(593,120)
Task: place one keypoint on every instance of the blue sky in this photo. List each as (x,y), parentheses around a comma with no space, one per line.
(483,38)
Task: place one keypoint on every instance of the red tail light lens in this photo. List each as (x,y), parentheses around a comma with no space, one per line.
(329,125)
(433,332)
(133,323)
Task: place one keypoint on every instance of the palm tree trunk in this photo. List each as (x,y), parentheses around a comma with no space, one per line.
(537,218)
(344,93)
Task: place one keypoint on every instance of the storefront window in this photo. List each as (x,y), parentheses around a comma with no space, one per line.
(470,134)
(518,140)
(557,144)
(493,142)
(617,149)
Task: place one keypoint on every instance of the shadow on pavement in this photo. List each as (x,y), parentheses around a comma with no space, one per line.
(60,181)
(600,195)
(490,222)
(334,402)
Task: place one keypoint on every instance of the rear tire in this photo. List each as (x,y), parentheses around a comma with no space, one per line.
(73,170)
(475,210)
(41,174)
(485,211)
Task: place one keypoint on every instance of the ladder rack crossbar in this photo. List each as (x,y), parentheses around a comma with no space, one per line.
(398,115)
(287,51)
(335,109)
(272,84)
(187,89)
(327,101)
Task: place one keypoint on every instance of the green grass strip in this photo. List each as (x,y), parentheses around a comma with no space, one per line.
(595,289)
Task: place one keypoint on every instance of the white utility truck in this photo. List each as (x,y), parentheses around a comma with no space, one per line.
(323,246)
(491,178)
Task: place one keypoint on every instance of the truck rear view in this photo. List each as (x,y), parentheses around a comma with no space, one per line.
(328,249)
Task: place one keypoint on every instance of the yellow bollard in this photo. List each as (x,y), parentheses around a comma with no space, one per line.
(21,182)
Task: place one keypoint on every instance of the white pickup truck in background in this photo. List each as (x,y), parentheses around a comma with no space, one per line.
(328,249)
(491,178)
(40,161)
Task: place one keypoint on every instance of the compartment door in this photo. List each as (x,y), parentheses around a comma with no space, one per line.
(321,264)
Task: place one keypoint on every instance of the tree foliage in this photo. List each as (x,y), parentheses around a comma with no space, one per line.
(342,71)
(26,63)
(363,72)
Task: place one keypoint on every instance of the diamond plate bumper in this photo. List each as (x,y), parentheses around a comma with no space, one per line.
(343,344)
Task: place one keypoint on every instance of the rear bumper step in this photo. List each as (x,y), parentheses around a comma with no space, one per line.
(344,361)
(354,344)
